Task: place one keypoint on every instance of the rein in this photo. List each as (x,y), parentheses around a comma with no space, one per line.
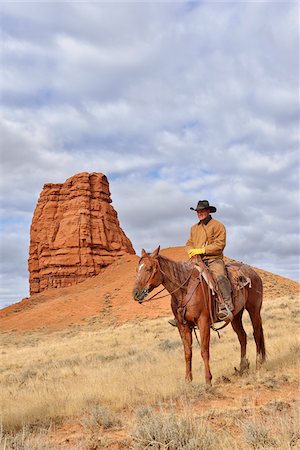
(169,293)
(151,298)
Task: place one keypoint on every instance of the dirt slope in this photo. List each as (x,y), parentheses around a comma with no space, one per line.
(107,299)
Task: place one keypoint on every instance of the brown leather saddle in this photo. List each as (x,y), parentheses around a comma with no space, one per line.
(237,275)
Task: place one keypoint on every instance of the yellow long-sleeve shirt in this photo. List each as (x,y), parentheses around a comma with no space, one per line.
(210,235)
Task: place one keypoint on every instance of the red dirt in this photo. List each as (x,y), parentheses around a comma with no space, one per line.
(107,298)
(249,399)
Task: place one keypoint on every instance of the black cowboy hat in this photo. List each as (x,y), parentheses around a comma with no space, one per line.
(204,204)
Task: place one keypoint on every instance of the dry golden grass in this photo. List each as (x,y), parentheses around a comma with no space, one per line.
(106,376)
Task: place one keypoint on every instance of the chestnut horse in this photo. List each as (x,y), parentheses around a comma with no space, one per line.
(154,269)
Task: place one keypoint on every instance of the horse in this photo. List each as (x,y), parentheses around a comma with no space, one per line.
(154,269)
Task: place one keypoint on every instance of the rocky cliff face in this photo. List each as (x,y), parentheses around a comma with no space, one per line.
(75,233)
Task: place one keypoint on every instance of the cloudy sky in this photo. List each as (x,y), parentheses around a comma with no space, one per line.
(173,101)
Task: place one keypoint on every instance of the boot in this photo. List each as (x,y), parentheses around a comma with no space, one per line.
(225,313)
(225,310)
(173,322)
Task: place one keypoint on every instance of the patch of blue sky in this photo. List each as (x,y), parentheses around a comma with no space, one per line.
(19,204)
(149,174)
(243,140)
(257,140)
(15,223)
(9,295)
(195,183)
(288,116)
(192,125)
(190,6)
(14,215)
(27,59)
(106,140)
(201,172)
(154,174)
(8,298)
(28,99)
(25,28)
(11,24)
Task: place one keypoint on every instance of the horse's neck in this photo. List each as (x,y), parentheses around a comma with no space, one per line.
(174,274)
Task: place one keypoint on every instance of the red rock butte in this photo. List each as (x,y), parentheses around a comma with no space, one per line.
(75,233)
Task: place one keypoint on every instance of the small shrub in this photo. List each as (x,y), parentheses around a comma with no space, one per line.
(170,432)
(277,405)
(143,411)
(99,416)
(257,435)
(270,382)
(199,391)
(25,439)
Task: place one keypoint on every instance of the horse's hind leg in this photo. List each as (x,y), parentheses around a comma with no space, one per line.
(258,334)
(237,325)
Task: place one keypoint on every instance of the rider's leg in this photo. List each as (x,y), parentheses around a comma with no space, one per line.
(218,270)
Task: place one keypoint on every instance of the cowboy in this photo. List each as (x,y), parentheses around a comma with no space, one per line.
(207,240)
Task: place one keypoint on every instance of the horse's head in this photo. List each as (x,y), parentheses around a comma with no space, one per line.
(148,275)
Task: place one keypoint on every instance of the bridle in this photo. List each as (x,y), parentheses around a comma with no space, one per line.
(158,267)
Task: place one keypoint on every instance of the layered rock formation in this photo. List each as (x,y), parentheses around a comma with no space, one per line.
(75,233)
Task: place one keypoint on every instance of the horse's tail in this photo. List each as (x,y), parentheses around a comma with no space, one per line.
(253,305)
(261,340)
(261,344)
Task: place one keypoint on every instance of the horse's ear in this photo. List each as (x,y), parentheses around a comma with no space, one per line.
(155,252)
(143,252)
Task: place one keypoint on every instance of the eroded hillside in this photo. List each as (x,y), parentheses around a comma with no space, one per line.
(106,299)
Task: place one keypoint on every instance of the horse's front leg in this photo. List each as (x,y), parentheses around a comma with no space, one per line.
(186,337)
(203,325)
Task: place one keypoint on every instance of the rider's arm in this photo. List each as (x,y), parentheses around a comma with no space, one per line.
(196,240)
(217,241)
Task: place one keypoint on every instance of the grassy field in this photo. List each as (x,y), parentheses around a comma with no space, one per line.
(123,387)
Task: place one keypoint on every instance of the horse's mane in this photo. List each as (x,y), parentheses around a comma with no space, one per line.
(177,270)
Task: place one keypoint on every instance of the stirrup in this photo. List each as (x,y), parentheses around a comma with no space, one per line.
(173,322)
(225,314)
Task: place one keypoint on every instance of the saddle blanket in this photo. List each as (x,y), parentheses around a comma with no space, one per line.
(239,279)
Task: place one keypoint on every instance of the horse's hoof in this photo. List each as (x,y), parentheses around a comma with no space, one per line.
(241,371)
(259,362)
(237,372)
(244,366)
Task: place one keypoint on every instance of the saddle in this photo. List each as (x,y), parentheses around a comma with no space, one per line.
(238,278)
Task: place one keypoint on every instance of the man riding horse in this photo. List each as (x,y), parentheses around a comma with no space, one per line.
(207,241)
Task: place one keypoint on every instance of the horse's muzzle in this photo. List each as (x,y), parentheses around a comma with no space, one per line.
(139,295)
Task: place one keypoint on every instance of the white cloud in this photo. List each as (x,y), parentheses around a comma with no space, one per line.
(173,102)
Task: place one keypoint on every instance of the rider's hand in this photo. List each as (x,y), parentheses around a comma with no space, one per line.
(196,251)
